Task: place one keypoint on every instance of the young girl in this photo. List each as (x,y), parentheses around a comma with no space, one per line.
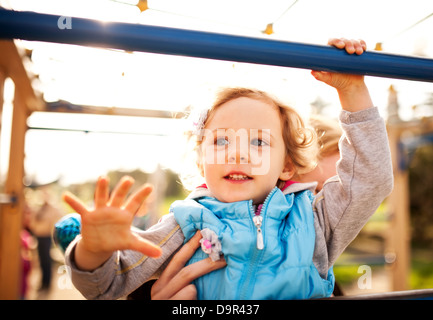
(279,240)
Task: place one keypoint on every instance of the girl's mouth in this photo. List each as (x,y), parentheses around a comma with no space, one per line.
(237,177)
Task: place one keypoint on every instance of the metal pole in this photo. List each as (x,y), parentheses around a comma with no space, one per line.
(134,37)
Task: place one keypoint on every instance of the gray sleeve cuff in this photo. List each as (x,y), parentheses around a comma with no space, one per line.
(90,279)
(347,117)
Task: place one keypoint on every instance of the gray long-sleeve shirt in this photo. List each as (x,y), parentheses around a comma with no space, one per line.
(364,179)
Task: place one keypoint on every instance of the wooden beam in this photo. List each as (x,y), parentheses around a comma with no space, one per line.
(12,66)
(2,85)
(67,107)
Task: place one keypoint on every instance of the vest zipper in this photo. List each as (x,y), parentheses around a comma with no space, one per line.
(258,220)
(247,283)
(258,223)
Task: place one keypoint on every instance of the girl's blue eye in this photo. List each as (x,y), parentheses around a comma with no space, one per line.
(258,142)
(221,141)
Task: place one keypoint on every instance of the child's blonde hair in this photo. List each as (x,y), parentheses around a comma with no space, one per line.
(300,141)
(328,133)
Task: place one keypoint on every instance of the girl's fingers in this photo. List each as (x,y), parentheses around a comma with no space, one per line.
(363,44)
(120,192)
(187,293)
(101,192)
(188,274)
(338,43)
(135,201)
(145,247)
(322,76)
(176,264)
(180,259)
(360,46)
(351,46)
(200,268)
(75,203)
(142,210)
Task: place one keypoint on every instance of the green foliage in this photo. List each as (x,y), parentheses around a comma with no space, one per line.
(346,274)
(421,276)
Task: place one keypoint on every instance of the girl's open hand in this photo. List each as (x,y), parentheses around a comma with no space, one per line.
(107,227)
(342,81)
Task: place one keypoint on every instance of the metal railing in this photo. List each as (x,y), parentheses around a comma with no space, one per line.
(136,37)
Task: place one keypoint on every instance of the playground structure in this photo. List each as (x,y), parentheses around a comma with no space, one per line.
(41,27)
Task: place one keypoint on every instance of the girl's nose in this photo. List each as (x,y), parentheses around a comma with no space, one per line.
(238,154)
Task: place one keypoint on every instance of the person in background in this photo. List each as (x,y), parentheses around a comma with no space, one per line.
(26,252)
(41,226)
(328,133)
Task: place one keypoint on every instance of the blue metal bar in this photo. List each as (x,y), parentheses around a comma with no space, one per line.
(134,37)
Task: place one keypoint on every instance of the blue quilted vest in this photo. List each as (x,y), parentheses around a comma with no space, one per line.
(282,269)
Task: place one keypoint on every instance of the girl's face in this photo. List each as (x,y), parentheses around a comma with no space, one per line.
(243,152)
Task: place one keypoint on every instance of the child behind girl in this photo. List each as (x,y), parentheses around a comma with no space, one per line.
(279,240)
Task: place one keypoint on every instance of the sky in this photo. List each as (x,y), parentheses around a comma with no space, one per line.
(101,77)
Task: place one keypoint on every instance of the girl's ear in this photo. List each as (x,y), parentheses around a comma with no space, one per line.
(288,172)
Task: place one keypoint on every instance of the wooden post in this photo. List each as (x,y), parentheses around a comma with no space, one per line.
(25,101)
(11,214)
(398,244)
(2,85)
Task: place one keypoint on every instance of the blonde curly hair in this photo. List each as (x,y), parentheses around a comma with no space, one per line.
(328,133)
